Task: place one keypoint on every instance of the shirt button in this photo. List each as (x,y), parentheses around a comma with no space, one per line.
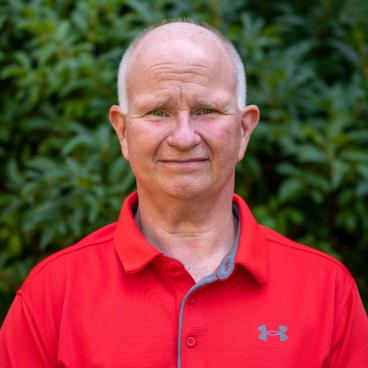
(192,300)
(191,341)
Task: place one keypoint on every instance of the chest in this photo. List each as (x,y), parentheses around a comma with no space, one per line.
(161,323)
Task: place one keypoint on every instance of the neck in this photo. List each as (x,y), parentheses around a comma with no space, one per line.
(198,232)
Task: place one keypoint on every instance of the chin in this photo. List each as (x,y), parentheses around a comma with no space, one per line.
(186,191)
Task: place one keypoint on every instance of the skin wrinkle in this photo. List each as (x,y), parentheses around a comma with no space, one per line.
(172,79)
(192,234)
(207,68)
(167,68)
(169,104)
(217,102)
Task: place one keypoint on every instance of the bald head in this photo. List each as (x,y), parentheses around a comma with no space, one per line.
(181,42)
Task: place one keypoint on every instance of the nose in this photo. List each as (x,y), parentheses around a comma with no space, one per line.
(184,136)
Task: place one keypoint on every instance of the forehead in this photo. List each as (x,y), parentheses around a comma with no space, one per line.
(165,63)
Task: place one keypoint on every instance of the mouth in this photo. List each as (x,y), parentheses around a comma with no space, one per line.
(188,161)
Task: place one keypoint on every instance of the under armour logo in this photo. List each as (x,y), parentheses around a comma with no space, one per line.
(265,333)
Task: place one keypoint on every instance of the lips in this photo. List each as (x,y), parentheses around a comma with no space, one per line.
(181,161)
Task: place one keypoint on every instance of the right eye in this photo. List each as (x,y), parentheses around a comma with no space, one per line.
(159,113)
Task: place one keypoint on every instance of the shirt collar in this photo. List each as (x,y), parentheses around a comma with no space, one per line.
(135,252)
(252,252)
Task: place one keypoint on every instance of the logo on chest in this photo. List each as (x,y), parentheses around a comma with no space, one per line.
(266,334)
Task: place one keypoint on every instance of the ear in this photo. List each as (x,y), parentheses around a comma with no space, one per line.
(249,120)
(118,122)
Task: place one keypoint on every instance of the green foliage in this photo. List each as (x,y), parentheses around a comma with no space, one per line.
(62,176)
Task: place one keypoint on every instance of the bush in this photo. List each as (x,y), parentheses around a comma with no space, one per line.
(306,170)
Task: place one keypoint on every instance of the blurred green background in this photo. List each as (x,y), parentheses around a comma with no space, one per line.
(62,176)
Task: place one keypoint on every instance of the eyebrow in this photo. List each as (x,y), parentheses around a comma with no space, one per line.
(144,102)
(220,103)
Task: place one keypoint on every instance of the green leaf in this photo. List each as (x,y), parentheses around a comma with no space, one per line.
(290,189)
(338,170)
(309,153)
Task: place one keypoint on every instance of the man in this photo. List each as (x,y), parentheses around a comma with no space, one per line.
(186,277)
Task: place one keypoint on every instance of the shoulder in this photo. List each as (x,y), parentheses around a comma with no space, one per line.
(284,250)
(85,251)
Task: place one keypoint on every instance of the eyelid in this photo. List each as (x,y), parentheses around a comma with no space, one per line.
(158,110)
(161,112)
(208,110)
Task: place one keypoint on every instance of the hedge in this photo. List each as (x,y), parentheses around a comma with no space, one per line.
(62,175)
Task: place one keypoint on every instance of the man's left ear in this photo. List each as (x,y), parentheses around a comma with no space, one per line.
(249,120)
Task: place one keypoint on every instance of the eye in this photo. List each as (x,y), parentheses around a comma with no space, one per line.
(159,113)
(204,111)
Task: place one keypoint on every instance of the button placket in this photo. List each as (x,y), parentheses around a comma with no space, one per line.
(189,326)
(191,300)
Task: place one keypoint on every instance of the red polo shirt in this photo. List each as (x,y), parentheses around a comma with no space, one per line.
(113,300)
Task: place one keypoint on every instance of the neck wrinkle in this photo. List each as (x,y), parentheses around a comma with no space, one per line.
(197,236)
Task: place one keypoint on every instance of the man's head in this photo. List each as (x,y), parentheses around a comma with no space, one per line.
(232,53)
(182,125)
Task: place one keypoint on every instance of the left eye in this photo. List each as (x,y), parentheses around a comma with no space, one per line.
(204,111)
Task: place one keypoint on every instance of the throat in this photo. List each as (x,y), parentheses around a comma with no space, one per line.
(199,270)
(201,252)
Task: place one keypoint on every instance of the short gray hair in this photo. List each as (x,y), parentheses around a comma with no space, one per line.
(241,86)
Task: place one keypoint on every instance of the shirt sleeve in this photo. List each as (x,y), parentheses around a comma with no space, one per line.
(350,339)
(22,343)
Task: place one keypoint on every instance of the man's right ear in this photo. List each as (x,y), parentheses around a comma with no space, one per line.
(118,122)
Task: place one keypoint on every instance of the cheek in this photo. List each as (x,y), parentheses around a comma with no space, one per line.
(143,142)
(224,140)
